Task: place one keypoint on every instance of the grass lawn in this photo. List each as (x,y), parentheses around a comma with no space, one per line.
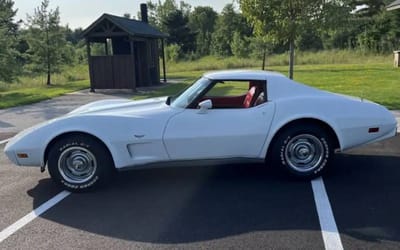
(25,95)
(33,89)
(370,77)
(376,82)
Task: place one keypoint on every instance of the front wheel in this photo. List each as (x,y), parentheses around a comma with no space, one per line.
(79,163)
(303,151)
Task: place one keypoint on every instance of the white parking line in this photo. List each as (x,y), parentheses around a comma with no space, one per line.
(32,215)
(330,233)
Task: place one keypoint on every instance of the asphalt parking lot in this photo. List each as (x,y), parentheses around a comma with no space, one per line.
(239,206)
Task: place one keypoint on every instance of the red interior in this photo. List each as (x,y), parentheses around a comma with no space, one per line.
(227,102)
(243,101)
(249,99)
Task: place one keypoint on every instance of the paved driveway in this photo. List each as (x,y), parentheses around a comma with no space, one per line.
(235,207)
(13,120)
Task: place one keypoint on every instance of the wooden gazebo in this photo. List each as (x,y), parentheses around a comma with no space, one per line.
(131,53)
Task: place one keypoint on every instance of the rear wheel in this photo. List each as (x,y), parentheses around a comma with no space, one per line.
(79,163)
(303,151)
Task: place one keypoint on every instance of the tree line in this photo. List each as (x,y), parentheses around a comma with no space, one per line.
(40,45)
(253,28)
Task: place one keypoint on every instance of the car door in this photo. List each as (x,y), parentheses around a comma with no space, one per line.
(218,133)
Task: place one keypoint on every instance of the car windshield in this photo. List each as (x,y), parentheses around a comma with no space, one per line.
(190,94)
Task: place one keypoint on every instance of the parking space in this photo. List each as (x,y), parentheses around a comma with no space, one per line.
(16,198)
(364,191)
(211,207)
(221,206)
(240,206)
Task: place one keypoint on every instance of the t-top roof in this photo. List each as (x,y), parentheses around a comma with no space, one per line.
(394,5)
(130,26)
(241,75)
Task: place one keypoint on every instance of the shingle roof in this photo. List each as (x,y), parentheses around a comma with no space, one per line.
(130,26)
(394,5)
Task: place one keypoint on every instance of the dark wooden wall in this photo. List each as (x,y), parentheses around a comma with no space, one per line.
(112,72)
(133,63)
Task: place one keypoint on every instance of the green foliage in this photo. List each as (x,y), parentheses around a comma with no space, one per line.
(203,43)
(309,39)
(202,22)
(8,42)
(172,52)
(282,19)
(379,33)
(240,46)
(46,41)
(326,57)
(160,11)
(227,24)
(177,27)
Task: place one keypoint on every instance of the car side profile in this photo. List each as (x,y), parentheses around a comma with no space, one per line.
(224,116)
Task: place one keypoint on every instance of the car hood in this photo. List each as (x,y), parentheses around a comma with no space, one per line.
(119,106)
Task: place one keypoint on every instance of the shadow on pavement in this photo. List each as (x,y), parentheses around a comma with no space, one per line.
(364,193)
(180,205)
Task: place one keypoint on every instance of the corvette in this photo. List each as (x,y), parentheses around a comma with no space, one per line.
(224,116)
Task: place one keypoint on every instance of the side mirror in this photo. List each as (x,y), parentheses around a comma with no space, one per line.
(204,106)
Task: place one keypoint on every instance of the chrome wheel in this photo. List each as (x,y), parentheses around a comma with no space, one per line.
(77,165)
(304,152)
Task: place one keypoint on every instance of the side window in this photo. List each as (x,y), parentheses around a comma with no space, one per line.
(236,94)
(228,89)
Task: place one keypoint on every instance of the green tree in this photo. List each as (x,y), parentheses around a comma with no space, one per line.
(159,12)
(227,24)
(283,19)
(46,40)
(240,45)
(377,28)
(202,22)
(176,25)
(8,41)
(339,26)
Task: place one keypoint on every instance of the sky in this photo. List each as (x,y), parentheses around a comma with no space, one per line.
(81,13)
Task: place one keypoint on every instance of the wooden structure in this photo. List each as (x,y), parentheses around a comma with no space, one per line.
(396,54)
(130,54)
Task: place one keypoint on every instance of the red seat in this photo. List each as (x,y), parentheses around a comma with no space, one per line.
(248,100)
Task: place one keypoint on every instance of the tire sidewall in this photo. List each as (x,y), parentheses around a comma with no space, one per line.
(101,155)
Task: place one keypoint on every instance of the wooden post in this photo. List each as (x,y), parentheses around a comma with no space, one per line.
(90,66)
(396,62)
(134,64)
(163,60)
(106,47)
(264,55)
(291,57)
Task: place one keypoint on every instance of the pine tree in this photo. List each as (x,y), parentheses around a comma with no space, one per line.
(46,40)
(8,41)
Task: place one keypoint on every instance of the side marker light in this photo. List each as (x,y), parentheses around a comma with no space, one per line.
(22,155)
(373,130)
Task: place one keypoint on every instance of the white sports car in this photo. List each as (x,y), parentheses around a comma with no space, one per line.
(222,117)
